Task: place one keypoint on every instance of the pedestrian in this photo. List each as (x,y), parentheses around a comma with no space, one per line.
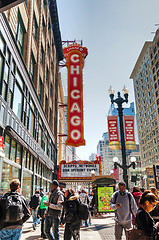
(34,207)
(53,212)
(144,221)
(41,192)
(71,217)
(14,212)
(92,202)
(155,212)
(83,197)
(124,204)
(41,212)
(136,194)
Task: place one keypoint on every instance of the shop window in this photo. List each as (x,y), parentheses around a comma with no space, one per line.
(7,146)
(28,160)
(24,159)
(18,154)
(13,150)
(20,33)
(27,185)
(31,163)
(8,173)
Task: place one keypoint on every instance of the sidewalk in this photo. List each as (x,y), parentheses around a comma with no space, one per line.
(86,233)
(102,228)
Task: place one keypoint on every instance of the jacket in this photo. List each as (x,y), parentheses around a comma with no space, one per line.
(71,216)
(55,208)
(123,214)
(146,223)
(26,212)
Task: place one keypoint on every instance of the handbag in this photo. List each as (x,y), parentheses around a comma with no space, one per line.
(137,234)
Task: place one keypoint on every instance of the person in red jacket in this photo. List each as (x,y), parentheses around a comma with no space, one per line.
(136,194)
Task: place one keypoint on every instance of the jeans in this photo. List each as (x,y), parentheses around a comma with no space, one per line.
(119,229)
(10,234)
(34,215)
(53,222)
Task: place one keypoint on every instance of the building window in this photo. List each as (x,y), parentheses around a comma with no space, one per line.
(18,154)
(47,74)
(18,101)
(35,27)
(42,53)
(46,103)
(2,44)
(32,67)
(40,89)
(43,24)
(5,81)
(20,33)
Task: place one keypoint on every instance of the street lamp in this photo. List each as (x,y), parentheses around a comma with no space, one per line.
(119,101)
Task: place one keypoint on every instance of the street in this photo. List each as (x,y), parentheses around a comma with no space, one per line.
(102,228)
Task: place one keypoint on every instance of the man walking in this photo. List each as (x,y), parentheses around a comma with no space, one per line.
(34,205)
(53,212)
(124,205)
(14,212)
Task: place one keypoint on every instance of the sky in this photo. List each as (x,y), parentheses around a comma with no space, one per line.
(114,31)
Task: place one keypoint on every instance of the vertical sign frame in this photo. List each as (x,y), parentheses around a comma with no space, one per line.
(114,143)
(75,55)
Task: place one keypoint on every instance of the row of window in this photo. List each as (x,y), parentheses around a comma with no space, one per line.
(15,92)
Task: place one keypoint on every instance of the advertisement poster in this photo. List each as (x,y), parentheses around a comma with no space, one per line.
(104,196)
(114,143)
(129,132)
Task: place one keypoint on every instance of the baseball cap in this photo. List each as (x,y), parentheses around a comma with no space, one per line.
(55,182)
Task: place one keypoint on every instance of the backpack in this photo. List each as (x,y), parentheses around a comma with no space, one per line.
(129,196)
(35,200)
(13,208)
(83,211)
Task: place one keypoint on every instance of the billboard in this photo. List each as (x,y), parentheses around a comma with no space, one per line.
(79,170)
(129,132)
(104,196)
(75,55)
(114,143)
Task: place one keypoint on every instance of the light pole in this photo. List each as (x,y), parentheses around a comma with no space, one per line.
(119,101)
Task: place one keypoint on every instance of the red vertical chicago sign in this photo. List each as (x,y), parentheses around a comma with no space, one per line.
(75,55)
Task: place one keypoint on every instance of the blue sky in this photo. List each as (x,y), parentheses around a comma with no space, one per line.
(114,31)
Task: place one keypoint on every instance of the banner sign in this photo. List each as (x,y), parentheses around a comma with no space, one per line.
(75,55)
(129,132)
(104,196)
(79,169)
(114,143)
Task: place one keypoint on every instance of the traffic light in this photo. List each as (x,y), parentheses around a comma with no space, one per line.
(7,4)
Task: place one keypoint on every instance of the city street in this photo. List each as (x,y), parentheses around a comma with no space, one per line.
(102,228)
